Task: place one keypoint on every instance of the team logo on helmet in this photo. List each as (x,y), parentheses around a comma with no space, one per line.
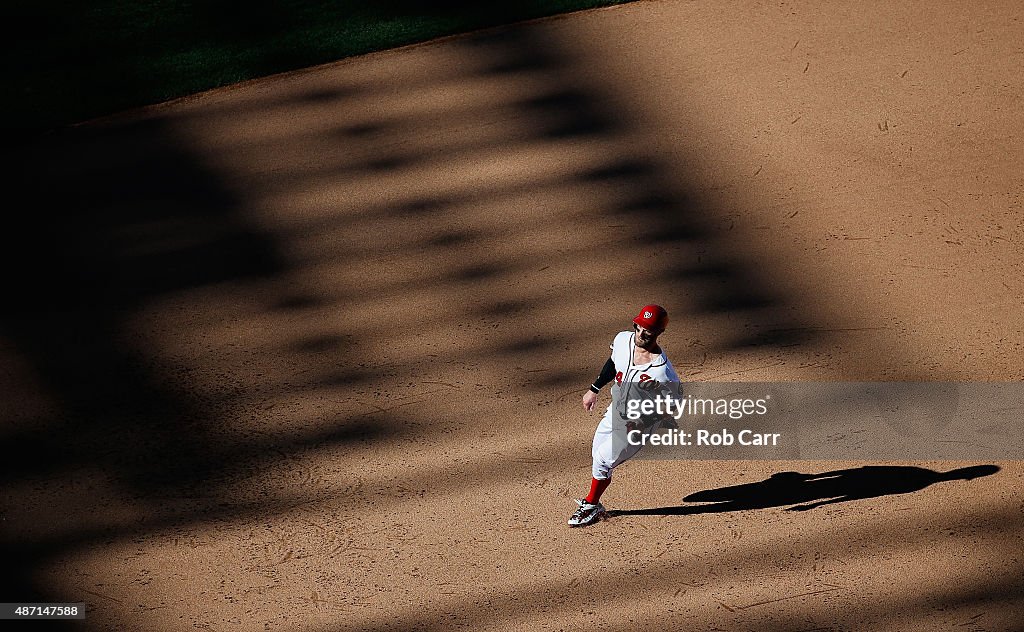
(653,317)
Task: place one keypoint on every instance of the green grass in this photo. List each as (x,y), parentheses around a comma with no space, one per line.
(68,62)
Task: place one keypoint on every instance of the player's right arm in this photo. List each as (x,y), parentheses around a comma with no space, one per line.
(607,375)
(620,349)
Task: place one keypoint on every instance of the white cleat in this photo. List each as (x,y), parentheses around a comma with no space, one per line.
(587,513)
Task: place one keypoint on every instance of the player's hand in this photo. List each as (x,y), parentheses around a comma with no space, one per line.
(589,400)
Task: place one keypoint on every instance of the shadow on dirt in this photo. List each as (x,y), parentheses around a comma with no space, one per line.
(706,575)
(809,491)
(123,224)
(115,219)
(686,243)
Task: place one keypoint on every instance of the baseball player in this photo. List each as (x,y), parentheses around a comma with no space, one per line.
(637,361)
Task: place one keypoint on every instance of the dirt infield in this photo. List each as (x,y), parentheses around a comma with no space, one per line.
(307,353)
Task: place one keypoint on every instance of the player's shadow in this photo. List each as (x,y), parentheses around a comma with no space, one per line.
(801,492)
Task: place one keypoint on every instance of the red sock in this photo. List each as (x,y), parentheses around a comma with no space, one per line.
(597,487)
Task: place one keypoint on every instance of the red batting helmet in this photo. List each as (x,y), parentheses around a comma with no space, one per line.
(652,317)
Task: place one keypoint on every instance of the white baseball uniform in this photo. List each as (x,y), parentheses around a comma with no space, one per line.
(610,447)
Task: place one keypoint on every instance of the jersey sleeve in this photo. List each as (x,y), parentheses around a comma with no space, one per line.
(670,373)
(621,350)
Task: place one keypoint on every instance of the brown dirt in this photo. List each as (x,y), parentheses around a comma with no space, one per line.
(306,354)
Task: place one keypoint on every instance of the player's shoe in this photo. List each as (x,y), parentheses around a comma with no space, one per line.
(587,513)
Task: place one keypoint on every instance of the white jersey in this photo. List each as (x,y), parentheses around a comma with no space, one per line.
(611,449)
(623,348)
